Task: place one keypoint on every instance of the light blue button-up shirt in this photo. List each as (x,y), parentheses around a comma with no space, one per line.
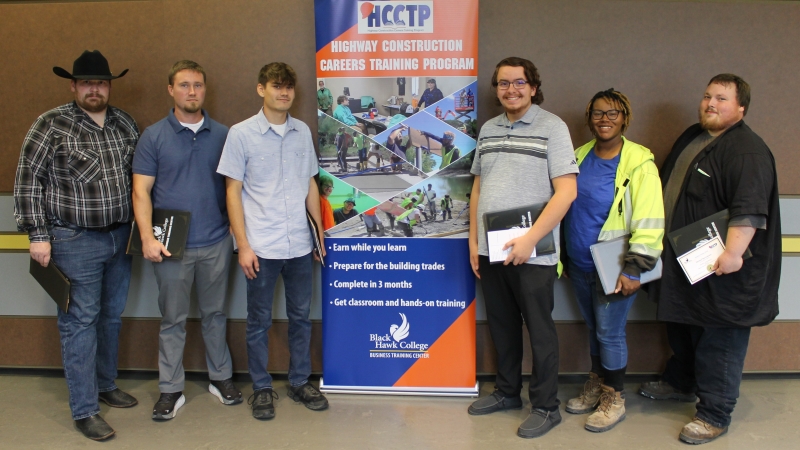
(275,173)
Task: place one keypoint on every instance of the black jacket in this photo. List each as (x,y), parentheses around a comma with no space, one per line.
(742,178)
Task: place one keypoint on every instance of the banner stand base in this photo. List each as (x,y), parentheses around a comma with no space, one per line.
(391,390)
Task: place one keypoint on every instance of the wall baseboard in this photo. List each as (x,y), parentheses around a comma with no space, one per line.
(33,342)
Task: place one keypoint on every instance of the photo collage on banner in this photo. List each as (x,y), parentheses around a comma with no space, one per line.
(396,91)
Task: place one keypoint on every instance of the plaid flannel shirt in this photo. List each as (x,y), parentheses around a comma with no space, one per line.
(71,171)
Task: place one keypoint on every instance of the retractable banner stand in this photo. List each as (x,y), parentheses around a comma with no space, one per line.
(396,91)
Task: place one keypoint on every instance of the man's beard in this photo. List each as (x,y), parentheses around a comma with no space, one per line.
(710,124)
(192,108)
(98,106)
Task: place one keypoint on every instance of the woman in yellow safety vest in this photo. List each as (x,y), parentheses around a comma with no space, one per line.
(619,194)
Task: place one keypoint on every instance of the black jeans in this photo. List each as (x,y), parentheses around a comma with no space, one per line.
(513,294)
(708,361)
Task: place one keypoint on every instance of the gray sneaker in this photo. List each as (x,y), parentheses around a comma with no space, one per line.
(261,403)
(309,396)
(661,390)
(493,403)
(538,423)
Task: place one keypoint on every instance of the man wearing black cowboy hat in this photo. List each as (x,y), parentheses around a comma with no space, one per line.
(72,195)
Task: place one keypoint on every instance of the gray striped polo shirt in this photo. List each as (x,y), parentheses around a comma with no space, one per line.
(516,162)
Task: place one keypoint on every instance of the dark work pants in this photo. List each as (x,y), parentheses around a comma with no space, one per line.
(514,294)
(708,361)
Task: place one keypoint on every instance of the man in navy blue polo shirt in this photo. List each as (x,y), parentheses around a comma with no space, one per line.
(175,168)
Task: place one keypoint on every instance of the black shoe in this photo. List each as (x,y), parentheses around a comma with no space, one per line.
(168,405)
(94,428)
(117,399)
(492,403)
(538,423)
(661,390)
(261,403)
(225,391)
(309,396)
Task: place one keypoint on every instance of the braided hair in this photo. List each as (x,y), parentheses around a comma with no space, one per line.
(615,98)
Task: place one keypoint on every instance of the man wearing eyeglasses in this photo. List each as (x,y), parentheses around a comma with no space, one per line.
(524,143)
(716,164)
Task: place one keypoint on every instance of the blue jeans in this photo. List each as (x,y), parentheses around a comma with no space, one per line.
(606,320)
(296,274)
(708,361)
(100,272)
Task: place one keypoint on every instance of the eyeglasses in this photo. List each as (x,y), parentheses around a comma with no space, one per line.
(612,114)
(505,84)
(327,186)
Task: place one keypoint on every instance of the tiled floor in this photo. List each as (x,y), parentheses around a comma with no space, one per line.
(35,414)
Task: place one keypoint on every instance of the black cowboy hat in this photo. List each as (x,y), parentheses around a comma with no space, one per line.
(89,66)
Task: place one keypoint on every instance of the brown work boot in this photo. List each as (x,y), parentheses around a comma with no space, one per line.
(698,431)
(610,411)
(587,401)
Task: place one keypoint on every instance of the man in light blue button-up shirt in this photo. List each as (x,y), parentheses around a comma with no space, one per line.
(270,163)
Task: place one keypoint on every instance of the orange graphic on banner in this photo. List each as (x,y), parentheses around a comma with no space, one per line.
(448,51)
(452,358)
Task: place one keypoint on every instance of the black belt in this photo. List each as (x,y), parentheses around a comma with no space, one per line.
(105,229)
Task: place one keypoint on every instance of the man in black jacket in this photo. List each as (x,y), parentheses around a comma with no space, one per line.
(717,164)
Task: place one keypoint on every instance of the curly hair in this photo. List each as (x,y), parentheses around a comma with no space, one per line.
(531,75)
(616,98)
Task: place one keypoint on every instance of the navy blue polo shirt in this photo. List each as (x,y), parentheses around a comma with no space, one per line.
(184,165)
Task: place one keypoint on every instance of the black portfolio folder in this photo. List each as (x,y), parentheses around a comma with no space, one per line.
(687,238)
(521,217)
(170,227)
(53,281)
(314,230)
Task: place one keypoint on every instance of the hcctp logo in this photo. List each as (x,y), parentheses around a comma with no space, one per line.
(395,17)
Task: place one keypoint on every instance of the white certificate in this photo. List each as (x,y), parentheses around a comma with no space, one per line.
(699,262)
(497,239)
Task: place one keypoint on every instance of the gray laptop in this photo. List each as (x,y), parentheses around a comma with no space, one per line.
(609,259)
